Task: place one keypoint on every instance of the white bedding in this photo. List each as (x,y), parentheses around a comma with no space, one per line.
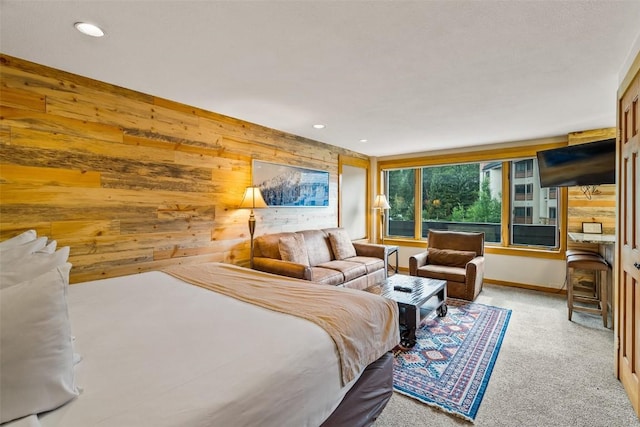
(205,359)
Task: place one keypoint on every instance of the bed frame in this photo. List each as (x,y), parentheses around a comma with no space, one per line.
(368,396)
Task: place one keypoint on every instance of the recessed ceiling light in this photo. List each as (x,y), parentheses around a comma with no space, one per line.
(364,140)
(89,29)
(319,126)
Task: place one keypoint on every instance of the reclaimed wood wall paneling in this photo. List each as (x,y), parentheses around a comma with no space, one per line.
(132,182)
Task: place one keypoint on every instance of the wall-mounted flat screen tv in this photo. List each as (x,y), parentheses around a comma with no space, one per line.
(593,163)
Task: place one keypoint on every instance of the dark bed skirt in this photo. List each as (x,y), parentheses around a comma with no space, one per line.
(365,401)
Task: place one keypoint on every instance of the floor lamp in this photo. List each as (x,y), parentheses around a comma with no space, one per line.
(252,200)
(381,203)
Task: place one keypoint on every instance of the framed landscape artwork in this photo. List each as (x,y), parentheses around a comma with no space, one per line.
(289,186)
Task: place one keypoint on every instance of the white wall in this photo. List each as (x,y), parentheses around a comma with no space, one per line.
(354,201)
(634,50)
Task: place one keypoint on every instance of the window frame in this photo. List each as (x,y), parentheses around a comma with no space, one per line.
(505,154)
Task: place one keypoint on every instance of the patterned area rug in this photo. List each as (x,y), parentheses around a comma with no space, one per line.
(451,363)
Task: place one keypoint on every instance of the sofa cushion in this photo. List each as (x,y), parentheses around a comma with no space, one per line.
(442,272)
(449,257)
(341,244)
(372,264)
(318,246)
(350,270)
(326,276)
(293,249)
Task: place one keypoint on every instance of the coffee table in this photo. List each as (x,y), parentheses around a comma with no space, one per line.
(417,297)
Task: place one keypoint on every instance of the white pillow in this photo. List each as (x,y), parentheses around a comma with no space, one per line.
(37,353)
(16,253)
(31,266)
(25,237)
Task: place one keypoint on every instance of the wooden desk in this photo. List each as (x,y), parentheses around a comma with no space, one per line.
(599,239)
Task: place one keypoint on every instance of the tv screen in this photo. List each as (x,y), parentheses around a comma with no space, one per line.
(593,163)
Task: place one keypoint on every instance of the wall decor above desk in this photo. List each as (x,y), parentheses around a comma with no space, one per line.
(592,227)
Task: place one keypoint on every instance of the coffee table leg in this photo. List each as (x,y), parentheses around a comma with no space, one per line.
(442,310)
(411,319)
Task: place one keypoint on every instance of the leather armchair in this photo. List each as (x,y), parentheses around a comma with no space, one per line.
(454,256)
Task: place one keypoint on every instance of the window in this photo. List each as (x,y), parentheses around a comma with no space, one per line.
(465,197)
(501,198)
(533,223)
(524,191)
(523,168)
(401,196)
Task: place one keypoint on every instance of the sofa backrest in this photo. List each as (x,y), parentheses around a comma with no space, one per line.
(457,240)
(318,246)
(316,241)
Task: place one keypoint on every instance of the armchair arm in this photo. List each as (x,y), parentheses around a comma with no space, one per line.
(474,275)
(282,268)
(371,250)
(416,261)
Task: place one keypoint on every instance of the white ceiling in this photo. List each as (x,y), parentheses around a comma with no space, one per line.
(408,76)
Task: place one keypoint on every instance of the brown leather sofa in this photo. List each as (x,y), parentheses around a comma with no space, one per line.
(324,256)
(454,256)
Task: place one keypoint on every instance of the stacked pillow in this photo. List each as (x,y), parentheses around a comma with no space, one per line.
(36,361)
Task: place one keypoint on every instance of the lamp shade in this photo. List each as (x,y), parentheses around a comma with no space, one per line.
(381,202)
(252,199)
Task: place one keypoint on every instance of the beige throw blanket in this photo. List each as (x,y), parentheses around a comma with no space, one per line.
(363,326)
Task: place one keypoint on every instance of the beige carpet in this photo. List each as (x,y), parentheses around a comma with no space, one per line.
(550,372)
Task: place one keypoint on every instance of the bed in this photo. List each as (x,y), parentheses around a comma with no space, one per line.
(156,349)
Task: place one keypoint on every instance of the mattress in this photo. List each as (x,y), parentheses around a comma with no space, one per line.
(157,351)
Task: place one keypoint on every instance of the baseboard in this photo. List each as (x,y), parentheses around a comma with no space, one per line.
(561,291)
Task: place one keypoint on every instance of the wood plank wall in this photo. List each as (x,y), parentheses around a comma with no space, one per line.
(132,182)
(601,207)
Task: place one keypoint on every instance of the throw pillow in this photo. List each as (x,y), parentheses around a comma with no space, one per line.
(293,249)
(37,353)
(341,244)
(449,257)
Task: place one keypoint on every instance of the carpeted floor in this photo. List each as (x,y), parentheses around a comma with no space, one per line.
(550,372)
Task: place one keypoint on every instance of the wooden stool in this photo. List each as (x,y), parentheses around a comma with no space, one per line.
(588,261)
(573,252)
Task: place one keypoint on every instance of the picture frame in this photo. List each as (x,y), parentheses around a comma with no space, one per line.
(592,227)
(291,186)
